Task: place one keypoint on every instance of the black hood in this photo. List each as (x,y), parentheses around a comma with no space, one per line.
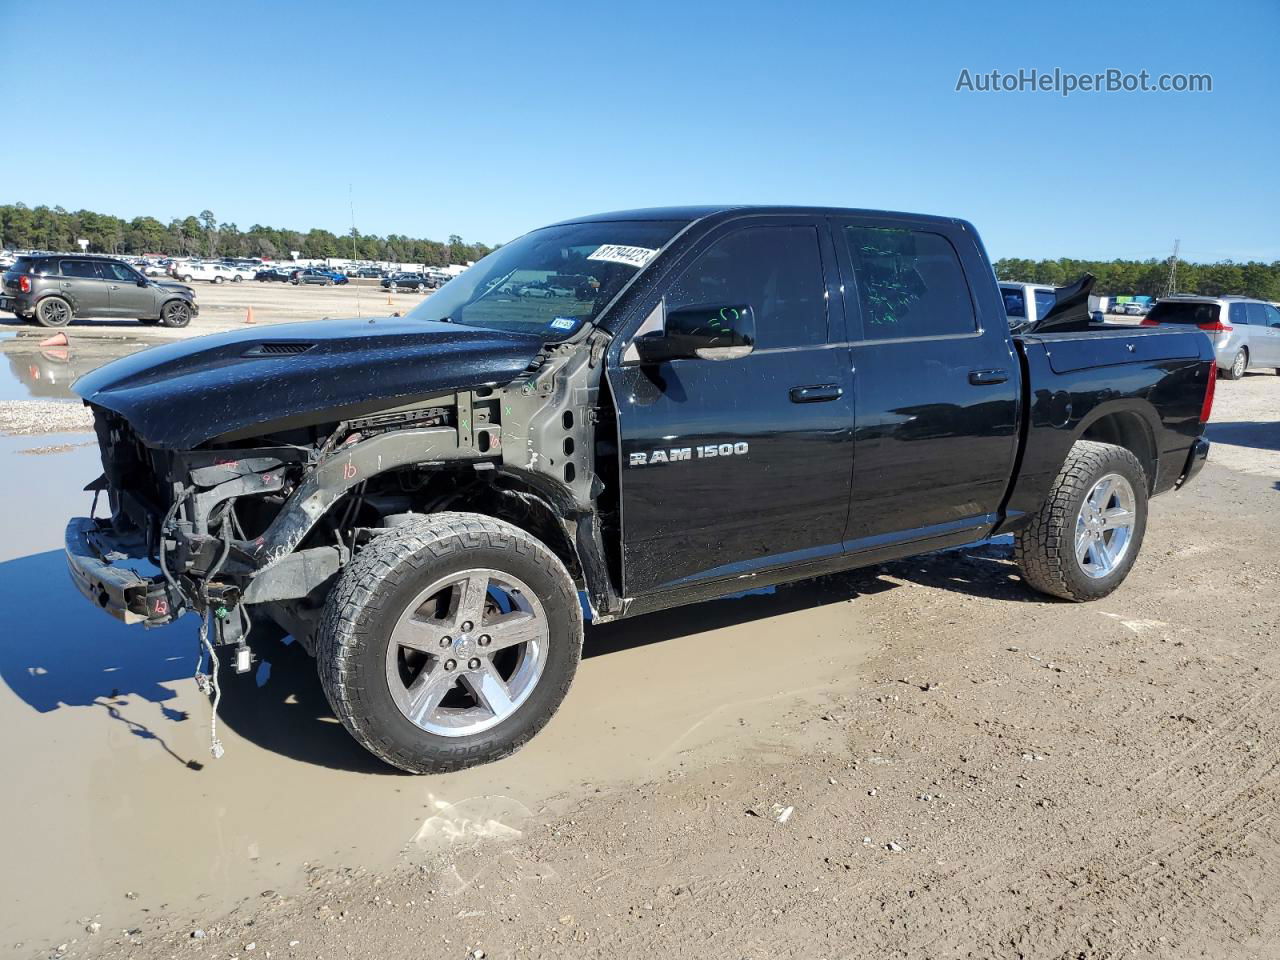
(179,395)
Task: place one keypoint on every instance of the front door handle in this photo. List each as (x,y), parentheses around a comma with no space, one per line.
(817,393)
(983,378)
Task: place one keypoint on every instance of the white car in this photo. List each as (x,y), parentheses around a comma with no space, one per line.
(213,272)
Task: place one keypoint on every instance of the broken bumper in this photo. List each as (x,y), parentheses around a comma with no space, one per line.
(95,559)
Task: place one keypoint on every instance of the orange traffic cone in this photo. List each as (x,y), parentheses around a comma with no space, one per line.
(248,317)
(59,339)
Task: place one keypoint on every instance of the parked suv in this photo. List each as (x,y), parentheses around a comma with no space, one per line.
(53,289)
(1245,333)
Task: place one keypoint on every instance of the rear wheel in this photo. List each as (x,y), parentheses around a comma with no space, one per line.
(176,313)
(1239,364)
(449,642)
(1084,539)
(53,312)
(218,279)
(186,278)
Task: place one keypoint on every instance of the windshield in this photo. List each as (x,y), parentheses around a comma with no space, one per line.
(1184,311)
(550,281)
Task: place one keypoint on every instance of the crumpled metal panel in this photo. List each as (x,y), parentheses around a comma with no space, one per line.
(181,394)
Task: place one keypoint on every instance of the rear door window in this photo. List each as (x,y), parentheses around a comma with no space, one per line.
(84,269)
(1238,314)
(910,284)
(1257,313)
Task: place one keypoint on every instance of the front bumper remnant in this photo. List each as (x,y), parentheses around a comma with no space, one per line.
(96,558)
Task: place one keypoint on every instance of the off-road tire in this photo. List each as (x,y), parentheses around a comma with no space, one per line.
(1232,373)
(175,313)
(373,591)
(1045,548)
(53,312)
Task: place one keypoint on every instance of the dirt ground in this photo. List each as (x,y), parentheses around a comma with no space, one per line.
(919,760)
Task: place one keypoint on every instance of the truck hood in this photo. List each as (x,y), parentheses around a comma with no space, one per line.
(180,395)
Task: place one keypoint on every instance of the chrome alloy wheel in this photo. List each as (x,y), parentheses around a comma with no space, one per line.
(467,652)
(1104,526)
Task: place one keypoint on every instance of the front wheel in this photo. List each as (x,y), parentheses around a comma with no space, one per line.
(449,642)
(1084,539)
(236,279)
(176,313)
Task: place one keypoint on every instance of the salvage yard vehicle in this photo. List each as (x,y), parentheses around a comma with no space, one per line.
(1245,333)
(406,281)
(53,290)
(1025,303)
(735,397)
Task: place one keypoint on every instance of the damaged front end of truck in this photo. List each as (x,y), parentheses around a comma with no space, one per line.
(252,524)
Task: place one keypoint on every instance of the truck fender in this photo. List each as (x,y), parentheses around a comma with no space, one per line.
(1132,423)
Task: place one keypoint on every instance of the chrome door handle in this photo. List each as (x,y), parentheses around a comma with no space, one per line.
(983,378)
(816,393)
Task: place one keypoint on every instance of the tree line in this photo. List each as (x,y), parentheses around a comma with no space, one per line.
(53,228)
(1150,277)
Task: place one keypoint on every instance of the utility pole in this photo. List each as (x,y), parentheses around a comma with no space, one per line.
(1172,286)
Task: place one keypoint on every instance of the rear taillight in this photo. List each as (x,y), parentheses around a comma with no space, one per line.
(1215,327)
(1148,322)
(1206,408)
(24,284)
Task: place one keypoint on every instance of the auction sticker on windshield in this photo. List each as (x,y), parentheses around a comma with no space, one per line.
(618,253)
(563,323)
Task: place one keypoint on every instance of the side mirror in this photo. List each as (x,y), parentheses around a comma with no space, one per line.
(713,332)
(142,281)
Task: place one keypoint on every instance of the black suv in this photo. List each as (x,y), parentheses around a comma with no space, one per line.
(54,289)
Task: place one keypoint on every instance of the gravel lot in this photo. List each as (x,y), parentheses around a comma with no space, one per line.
(970,769)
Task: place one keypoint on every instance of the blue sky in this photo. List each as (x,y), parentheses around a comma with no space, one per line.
(488,119)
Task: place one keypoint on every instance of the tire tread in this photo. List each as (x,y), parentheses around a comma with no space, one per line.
(1046,545)
(386,559)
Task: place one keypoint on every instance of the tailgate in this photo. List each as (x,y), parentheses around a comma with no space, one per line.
(1107,348)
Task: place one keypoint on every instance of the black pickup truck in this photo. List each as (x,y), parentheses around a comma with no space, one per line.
(729,397)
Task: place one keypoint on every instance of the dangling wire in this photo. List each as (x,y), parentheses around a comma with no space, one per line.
(207,683)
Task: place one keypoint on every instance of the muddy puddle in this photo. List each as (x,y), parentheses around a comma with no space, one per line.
(114,808)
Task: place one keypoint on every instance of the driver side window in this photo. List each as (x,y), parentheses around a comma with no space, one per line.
(777,271)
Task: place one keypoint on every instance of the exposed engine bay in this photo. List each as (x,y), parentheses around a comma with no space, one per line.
(252,531)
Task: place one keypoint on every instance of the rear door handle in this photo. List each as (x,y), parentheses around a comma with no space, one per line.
(816,394)
(982,378)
